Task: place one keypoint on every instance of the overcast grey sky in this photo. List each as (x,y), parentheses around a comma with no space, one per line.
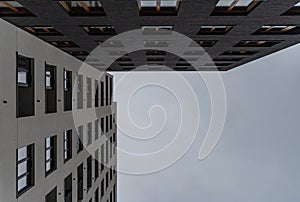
(257,158)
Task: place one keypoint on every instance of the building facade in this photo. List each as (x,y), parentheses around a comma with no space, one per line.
(45,155)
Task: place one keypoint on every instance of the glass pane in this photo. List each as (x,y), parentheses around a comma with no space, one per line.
(168,3)
(22,77)
(12,3)
(48,142)
(22,153)
(224,3)
(148,3)
(48,166)
(244,3)
(22,183)
(22,168)
(48,154)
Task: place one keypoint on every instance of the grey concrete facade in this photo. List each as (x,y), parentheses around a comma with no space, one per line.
(19,132)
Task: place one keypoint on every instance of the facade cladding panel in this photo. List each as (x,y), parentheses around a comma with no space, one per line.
(201,20)
(35,169)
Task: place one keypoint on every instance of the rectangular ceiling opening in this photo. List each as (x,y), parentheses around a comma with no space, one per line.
(235,7)
(295,10)
(83,8)
(255,43)
(278,30)
(214,30)
(100,30)
(42,30)
(158,7)
(237,53)
(203,43)
(64,44)
(13,9)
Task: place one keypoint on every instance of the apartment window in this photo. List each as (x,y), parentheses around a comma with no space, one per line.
(295,10)
(83,8)
(64,44)
(51,196)
(89,92)
(155,53)
(79,92)
(100,30)
(50,87)
(106,125)
(242,52)
(96,195)
(102,126)
(106,90)
(157,29)
(277,30)
(78,53)
(111,89)
(96,164)
(158,7)
(89,133)
(235,7)
(111,147)
(25,86)
(13,9)
(89,172)
(80,182)
(67,145)
(43,31)
(102,93)
(68,188)
(96,94)
(50,154)
(107,180)
(106,152)
(254,43)
(203,43)
(67,90)
(102,187)
(102,158)
(80,139)
(97,129)
(214,30)
(110,121)
(25,169)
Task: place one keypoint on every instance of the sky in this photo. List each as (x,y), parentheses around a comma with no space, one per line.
(257,157)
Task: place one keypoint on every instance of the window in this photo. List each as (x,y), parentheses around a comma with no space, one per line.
(43,31)
(96,195)
(67,90)
(89,92)
(254,43)
(50,154)
(67,145)
(51,196)
(102,93)
(64,44)
(155,29)
(110,121)
(102,126)
(80,182)
(155,53)
(25,169)
(13,9)
(80,139)
(68,188)
(102,158)
(106,125)
(227,59)
(295,10)
(50,86)
(235,7)
(102,187)
(277,30)
(83,8)
(243,52)
(25,86)
(100,30)
(203,43)
(106,90)
(79,92)
(78,53)
(89,133)
(97,129)
(96,164)
(214,30)
(107,180)
(111,90)
(89,173)
(96,93)
(158,7)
